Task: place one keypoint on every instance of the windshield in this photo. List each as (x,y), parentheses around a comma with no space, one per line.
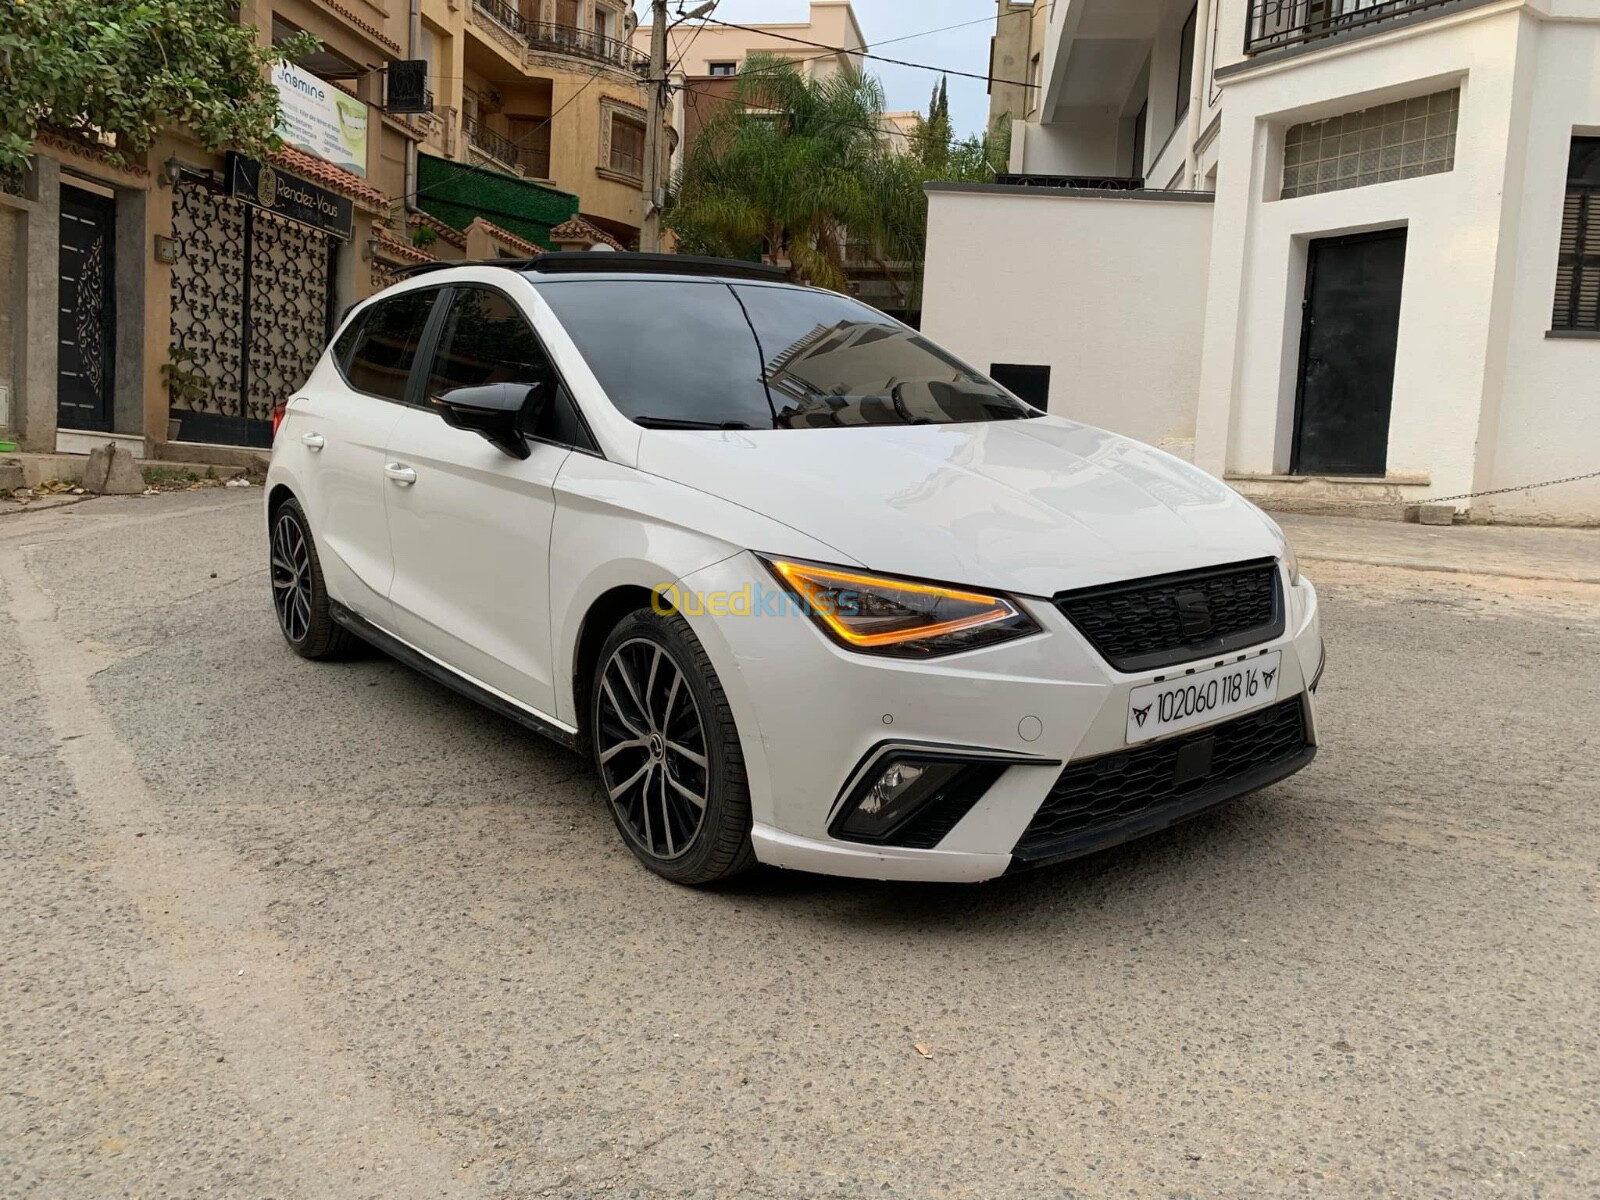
(702,354)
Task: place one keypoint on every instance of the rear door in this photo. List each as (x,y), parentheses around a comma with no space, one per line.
(470,525)
(338,434)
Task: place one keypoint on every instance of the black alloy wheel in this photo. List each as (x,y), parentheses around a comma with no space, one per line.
(668,753)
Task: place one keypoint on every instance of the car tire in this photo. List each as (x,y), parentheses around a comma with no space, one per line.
(663,735)
(299,595)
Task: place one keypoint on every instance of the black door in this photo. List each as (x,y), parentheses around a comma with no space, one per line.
(1347,352)
(87,328)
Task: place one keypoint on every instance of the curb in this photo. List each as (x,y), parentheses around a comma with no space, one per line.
(1412,564)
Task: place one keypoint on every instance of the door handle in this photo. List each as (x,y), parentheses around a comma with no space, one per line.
(313,441)
(400,473)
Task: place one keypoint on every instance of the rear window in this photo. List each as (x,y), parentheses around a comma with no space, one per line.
(380,362)
(749,356)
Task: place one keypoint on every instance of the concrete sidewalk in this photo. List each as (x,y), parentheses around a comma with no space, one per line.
(1519,552)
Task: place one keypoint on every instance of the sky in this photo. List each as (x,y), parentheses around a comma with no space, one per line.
(964,49)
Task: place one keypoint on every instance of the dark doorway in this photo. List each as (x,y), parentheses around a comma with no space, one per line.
(1347,353)
(1025,382)
(86,324)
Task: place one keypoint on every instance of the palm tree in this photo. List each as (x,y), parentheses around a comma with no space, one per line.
(798,170)
(787,165)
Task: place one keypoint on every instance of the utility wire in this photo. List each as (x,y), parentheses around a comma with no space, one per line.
(899,62)
(698,30)
(1016,12)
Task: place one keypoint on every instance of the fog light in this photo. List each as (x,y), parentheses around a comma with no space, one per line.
(898,793)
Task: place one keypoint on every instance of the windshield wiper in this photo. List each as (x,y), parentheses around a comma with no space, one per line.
(680,423)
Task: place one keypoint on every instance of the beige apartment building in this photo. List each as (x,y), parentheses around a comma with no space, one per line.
(169,302)
(704,57)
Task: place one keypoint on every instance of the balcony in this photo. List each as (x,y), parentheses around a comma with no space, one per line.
(1275,24)
(562,39)
(504,153)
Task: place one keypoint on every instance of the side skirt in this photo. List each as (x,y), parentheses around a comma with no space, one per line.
(439,673)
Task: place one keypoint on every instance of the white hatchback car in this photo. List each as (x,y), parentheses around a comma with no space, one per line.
(811,591)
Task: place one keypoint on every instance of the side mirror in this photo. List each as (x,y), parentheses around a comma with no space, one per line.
(497,412)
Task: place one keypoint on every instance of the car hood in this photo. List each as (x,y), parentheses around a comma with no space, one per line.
(1034,507)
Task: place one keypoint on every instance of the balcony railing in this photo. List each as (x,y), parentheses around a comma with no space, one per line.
(563,39)
(1278,23)
(486,141)
(585,43)
(532,161)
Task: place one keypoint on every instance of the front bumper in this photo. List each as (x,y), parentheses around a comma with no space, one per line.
(809,713)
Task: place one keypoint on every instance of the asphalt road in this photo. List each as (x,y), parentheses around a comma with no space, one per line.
(280,929)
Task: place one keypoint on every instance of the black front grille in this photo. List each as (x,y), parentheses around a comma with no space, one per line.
(1151,623)
(1104,800)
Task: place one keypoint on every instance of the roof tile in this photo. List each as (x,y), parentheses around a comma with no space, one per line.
(321,171)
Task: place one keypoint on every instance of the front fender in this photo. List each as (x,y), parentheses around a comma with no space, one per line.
(618,527)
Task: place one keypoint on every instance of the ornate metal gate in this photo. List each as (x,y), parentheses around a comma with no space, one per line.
(85,353)
(252,304)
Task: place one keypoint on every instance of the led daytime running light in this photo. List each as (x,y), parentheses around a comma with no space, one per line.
(815,585)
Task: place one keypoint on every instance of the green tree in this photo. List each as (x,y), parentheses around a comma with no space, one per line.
(931,139)
(115,73)
(784,169)
(799,168)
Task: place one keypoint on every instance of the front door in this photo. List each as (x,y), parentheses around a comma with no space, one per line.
(86,339)
(1347,354)
(470,524)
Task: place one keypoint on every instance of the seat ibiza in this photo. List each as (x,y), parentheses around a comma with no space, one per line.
(808,589)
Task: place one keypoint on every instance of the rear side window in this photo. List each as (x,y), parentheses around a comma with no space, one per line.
(380,363)
(346,341)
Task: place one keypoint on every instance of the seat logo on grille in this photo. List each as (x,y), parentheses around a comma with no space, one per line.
(1194,613)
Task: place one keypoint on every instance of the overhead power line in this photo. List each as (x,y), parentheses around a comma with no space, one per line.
(899,62)
(907,37)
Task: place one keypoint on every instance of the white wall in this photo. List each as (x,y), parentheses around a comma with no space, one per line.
(1547,423)
(1091,142)
(1454,224)
(1108,291)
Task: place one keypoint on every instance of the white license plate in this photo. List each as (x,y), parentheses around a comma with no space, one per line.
(1173,705)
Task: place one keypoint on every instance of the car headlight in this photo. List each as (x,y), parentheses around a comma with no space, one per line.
(902,618)
(1286,552)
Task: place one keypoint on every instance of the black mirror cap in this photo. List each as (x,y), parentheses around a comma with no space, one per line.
(497,412)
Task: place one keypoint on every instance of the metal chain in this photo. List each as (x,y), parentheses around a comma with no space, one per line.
(1526,487)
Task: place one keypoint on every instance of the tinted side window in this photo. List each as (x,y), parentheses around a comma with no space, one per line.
(346,341)
(387,345)
(486,339)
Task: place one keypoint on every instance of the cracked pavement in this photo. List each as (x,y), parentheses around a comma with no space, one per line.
(283,929)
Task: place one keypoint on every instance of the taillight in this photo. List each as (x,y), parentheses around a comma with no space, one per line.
(278,411)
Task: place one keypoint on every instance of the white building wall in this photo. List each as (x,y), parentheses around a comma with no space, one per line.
(1547,422)
(1454,232)
(1106,290)
(1483,398)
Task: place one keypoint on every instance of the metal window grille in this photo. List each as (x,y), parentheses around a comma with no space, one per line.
(1404,140)
(1274,24)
